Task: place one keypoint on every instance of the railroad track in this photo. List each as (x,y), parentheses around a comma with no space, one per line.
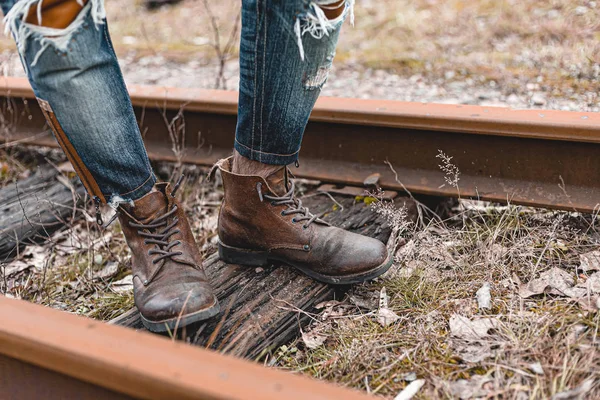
(539,158)
(48,354)
(531,157)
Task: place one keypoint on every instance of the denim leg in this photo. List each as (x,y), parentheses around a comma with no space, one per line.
(76,77)
(286,51)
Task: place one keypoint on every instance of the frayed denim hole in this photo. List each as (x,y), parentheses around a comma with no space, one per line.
(312,20)
(316,79)
(58,39)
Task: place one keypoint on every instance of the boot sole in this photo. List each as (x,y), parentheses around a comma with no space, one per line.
(181,321)
(255,258)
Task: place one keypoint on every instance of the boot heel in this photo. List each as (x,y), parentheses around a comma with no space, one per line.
(233,255)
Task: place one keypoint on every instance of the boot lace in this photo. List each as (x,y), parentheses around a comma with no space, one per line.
(294,205)
(161,237)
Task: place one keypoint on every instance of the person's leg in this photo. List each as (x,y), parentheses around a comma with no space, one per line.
(76,77)
(287,49)
(67,53)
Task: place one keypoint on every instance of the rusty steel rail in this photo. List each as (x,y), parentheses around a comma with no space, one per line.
(532,157)
(49,354)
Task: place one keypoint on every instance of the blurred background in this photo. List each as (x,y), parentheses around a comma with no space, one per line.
(520,53)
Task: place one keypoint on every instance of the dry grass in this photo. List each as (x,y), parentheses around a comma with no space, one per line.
(538,346)
(436,277)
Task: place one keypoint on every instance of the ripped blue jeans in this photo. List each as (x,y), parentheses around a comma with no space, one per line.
(286,50)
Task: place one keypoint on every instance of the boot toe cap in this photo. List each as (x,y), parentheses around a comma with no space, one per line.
(367,254)
(173,301)
(346,253)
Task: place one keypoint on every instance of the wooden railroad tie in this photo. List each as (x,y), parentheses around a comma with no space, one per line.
(261,308)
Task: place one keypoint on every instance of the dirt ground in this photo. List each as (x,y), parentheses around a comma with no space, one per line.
(490,301)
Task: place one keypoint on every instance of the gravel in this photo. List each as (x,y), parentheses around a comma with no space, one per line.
(349,81)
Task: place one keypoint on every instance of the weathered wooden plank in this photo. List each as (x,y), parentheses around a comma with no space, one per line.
(32,209)
(261,309)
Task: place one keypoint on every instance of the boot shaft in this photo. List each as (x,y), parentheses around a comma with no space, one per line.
(247,218)
(258,226)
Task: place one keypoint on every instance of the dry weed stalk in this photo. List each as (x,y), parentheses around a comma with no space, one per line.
(224,53)
(451,171)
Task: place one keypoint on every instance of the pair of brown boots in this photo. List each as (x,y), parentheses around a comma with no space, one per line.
(260,221)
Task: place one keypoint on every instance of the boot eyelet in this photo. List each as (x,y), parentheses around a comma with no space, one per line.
(304,227)
(306,247)
(283,213)
(294,220)
(146,282)
(272,203)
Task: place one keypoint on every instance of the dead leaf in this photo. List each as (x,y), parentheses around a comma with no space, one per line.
(33,256)
(577,393)
(559,282)
(593,283)
(464,328)
(484,297)
(14,268)
(473,351)
(536,368)
(385,316)
(124,285)
(108,271)
(589,261)
(516,280)
(36,256)
(588,303)
(366,301)
(313,340)
(410,391)
(407,271)
(554,281)
(472,388)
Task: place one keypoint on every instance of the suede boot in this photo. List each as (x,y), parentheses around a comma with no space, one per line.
(169,283)
(261,221)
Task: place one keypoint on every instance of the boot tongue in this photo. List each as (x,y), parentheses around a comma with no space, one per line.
(152,205)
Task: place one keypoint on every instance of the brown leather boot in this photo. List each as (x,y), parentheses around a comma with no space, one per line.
(261,221)
(169,284)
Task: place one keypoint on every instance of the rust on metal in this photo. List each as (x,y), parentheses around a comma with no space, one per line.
(532,157)
(65,356)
